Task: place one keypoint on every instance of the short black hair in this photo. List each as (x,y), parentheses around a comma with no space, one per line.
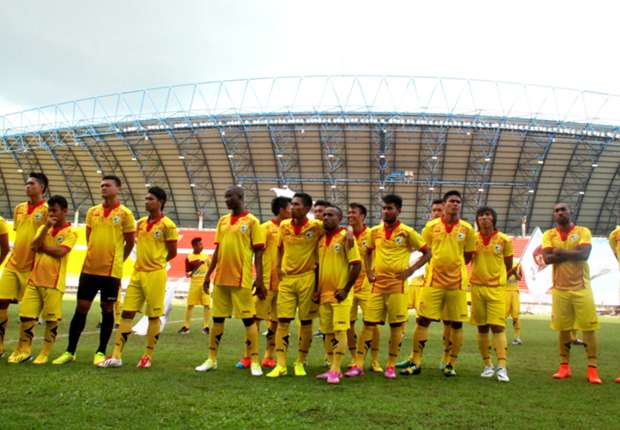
(360,207)
(278,203)
(305,198)
(57,200)
(451,193)
(195,240)
(338,210)
(41,178)
(438,202)
(160,194)
(114,178)
(322,203)
(393,199)
(486,209)
(237,189)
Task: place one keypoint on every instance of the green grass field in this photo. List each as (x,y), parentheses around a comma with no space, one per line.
(172,394)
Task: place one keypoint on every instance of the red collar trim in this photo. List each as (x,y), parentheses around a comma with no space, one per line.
(564,235)
(56,230)
(357,235)
(235,218)
(32,207)
(275,221)
(487,239)
(107,210)
(388,231)
(329,237)
(447,226)
(150,224)
(297,228)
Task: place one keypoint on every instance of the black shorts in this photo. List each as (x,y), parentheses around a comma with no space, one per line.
(91,284)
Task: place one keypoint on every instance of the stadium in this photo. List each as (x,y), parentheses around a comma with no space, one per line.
(519,148)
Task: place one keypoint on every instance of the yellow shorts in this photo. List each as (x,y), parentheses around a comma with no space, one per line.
(360,302)
(391,307)
(149,287)
(267,309)
(439,303)
(13,284)
(295,293)
(513,304)
(410,294)
(335,316)
(233,301)
(46,302)
(573,310)
(197,297)
(488,306)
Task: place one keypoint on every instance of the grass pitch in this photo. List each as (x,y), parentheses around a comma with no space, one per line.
(172,395)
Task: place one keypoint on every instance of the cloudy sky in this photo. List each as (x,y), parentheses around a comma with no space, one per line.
(54,51)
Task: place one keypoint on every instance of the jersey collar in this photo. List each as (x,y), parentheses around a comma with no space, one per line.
(564,235)
(388,231)
(275,221)
(487,239)
(235,218)
(329,237)
(150,224)
(358,234)
(32,207)
(107,210)
(56,230)
(447,226)
(298,228)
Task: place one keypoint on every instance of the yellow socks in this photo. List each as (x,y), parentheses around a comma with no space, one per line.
(374,346)
(152,335)
(26,333)
(187,321)
(484,348)
(121,337)
(589,340)
(394,347)
(564,341)
(215,337)
(251,342)
(206,316)
(364,342)
(329,343)
(282,338)
(447,343)
(305,340)
(352,339)
(516,326)
(500,344)
(420,336)
(4,322)
(51,331)
(339,343)
(456,336)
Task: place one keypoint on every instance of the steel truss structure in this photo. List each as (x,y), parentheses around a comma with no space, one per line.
(518,148)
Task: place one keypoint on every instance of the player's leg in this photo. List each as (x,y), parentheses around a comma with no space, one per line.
(326,325)
(308,310)
(222,309)
(29,311)
(397,314)
(245,310)
(479,319)
(12,288)
(586,320)
(51,313)
(109,296)
(351,334)
(374,312)
(456,308)
(563,321)
(286,308)
(429,309)
(187,319)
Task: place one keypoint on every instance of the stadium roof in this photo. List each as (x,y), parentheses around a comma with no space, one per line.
(516,147)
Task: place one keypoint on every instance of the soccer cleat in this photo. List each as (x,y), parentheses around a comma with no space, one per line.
(354,371)
(255,369)
(66,357)
(300,369)
(318,333)
(617,380)
(449,371)
(517,341)
(411,370)
(502,374)
(97,358)
(277,372)
(563,372)
(593,377)
(41,359)
(183,330)
(205,331)
(390,372)
(244,363)
(333,377)
(404,364)
(117,326)
(209,364)
(110,362)
(268,362)
(376,367)
(323,375)
(144,363)
(578,341)
(442,365)
(489,371)
(99,324)
(17,357)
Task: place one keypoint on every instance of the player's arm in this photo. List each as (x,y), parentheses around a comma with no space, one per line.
(368,260)
(171,247)
(612,244)
(212,266)
(508,263)
(355,267)
(88,230)
(426,256)
(581,253)
(188,268)
(261,292)
(4,247)
(39,239)
(279,260)
(130,240)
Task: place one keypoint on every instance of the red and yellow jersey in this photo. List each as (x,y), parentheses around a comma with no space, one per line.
(237,237)
(48,271)
(448,243)
(27,218)
(300,245)
(151,249)
(4,227)
(391,253)
(362,239)
(199,273)
(104,256)
(487,264)
(512,283)
(334,261)
(270,256)
(569,275)
(614,242)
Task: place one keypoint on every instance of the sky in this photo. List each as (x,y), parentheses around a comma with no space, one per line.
(69,49)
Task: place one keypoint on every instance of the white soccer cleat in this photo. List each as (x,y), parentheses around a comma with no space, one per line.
(110,362)
(502,374)
(488,372)
(517,341)
(256,370)
(207,365)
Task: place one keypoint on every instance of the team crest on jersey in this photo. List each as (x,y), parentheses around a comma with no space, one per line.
(460,236)
(309,235)
(365,243)
(399,240)
(116,219)
(574,237)
(157,234)
(498,248)
(38,216)
(60,239)
(244,228)
(338,247)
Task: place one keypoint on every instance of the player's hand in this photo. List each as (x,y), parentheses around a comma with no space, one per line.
(349,239)
(341,294)
(206,286)
(259,289)
(371,276)
(51,221)
(316,297)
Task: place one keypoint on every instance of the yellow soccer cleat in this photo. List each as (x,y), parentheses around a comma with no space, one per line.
(65,358)
(376,367)
(17,357)
(41,359)
(98,358)
(277,372)
(299,369)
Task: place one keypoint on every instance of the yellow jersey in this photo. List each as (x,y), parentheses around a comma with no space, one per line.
(512,284)
(614,242)
(487,264)
(4,227)
(569,275)
(392,250)
(104,255)
(199,273)
(48,271)
(362,239)
(300,245)
(270,256)
(334,261)
(151,249)
(448,243)
(236,238)
(27,218)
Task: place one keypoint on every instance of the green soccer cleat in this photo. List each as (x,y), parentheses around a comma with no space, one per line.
(207,365)
(277,372)
(17,357)
(300,369)
(66,357)
(97,358)
(404,364)
(41,359)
